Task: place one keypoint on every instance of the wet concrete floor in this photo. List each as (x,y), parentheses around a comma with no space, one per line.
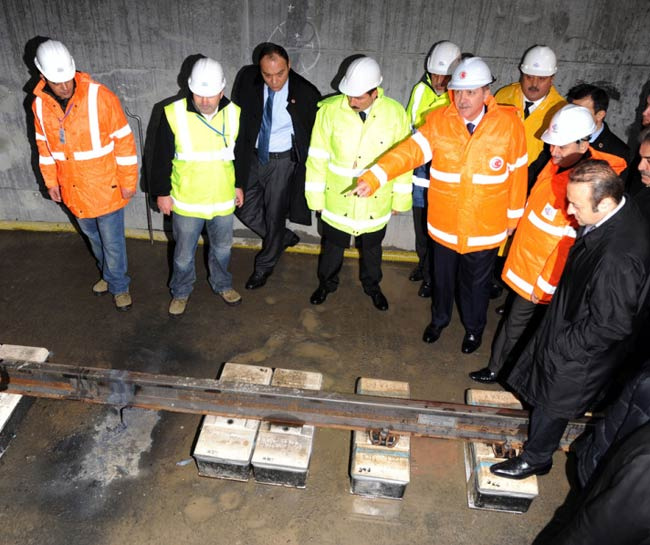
(75,475)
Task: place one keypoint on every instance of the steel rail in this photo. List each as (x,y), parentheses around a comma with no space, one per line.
(122,388)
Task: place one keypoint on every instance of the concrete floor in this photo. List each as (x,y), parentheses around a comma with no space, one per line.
(73,475)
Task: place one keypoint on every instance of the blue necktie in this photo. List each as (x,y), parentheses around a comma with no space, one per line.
(471,127)
(265,130)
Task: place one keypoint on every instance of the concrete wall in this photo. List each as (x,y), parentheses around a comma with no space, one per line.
(137,48)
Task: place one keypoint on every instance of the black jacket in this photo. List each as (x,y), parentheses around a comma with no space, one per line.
(630,411)
(591,321)
(615,508)
(248,94)
(608,142)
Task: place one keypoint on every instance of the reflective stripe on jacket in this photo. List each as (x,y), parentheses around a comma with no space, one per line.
(423,100)
(545,234)
(203,173)
(88,152)
(342,147)
(478,183)
(539,119)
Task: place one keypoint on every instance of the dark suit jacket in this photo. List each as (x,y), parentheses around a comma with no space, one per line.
(608,142)
(248,94)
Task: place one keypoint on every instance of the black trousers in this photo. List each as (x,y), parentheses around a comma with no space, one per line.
(469,275)
(544,435)
(422,241)
(265,209)
(333,244)
(521,317)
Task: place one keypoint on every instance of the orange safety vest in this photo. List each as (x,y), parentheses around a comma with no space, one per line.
(545,234)
(477,187)
(88,151)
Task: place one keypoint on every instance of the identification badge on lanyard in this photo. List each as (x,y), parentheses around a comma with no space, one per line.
(61,135)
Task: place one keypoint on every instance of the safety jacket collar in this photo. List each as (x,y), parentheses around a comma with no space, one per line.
(345,106)
(490,105)
(81,81)
(191,108)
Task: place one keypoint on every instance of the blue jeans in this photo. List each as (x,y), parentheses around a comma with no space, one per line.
(187,231)
(106,236)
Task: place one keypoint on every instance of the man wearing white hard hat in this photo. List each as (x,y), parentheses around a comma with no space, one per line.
(477,192)
(427,95)
(194,181)
(350,131)
(534,96)
(88,160)
(544,236)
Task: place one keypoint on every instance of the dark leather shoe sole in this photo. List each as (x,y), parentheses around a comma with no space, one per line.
(484,376)
(319,296)
(256,281)
(379,301)
(431,334)
(295,239)
(516,468)
(425,289)
(470,344)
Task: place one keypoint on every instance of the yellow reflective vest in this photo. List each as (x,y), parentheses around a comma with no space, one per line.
(423,100)
(342,146)
(203,173)
(540,118)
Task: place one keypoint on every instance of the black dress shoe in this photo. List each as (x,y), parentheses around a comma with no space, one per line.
(319,296)
(517,468)
(500,310)
(470,343)
(379,300)
(485,375)
(431,334)
(256,280)
(416,275)
(293,240)
(425,289)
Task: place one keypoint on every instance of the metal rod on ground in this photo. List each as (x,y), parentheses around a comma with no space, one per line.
(144,172)
(283,405)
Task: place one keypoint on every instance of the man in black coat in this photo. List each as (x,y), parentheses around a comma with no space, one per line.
(278,109)
(614,509)
(587,330)
(630,411)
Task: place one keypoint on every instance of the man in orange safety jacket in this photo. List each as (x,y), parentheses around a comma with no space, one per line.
(88,160)
(476,195)
(544,236)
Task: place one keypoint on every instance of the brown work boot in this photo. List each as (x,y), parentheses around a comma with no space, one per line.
(230,297)
(100,287)
(177,307)
(122,301)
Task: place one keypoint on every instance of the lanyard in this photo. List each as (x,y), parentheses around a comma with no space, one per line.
(221,133)
(61,120)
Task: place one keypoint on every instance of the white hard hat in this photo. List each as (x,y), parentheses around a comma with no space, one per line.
(570,124)
(443,58)
(54,61)
(207,78)
(362,75)
(539,61)
(471,73)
